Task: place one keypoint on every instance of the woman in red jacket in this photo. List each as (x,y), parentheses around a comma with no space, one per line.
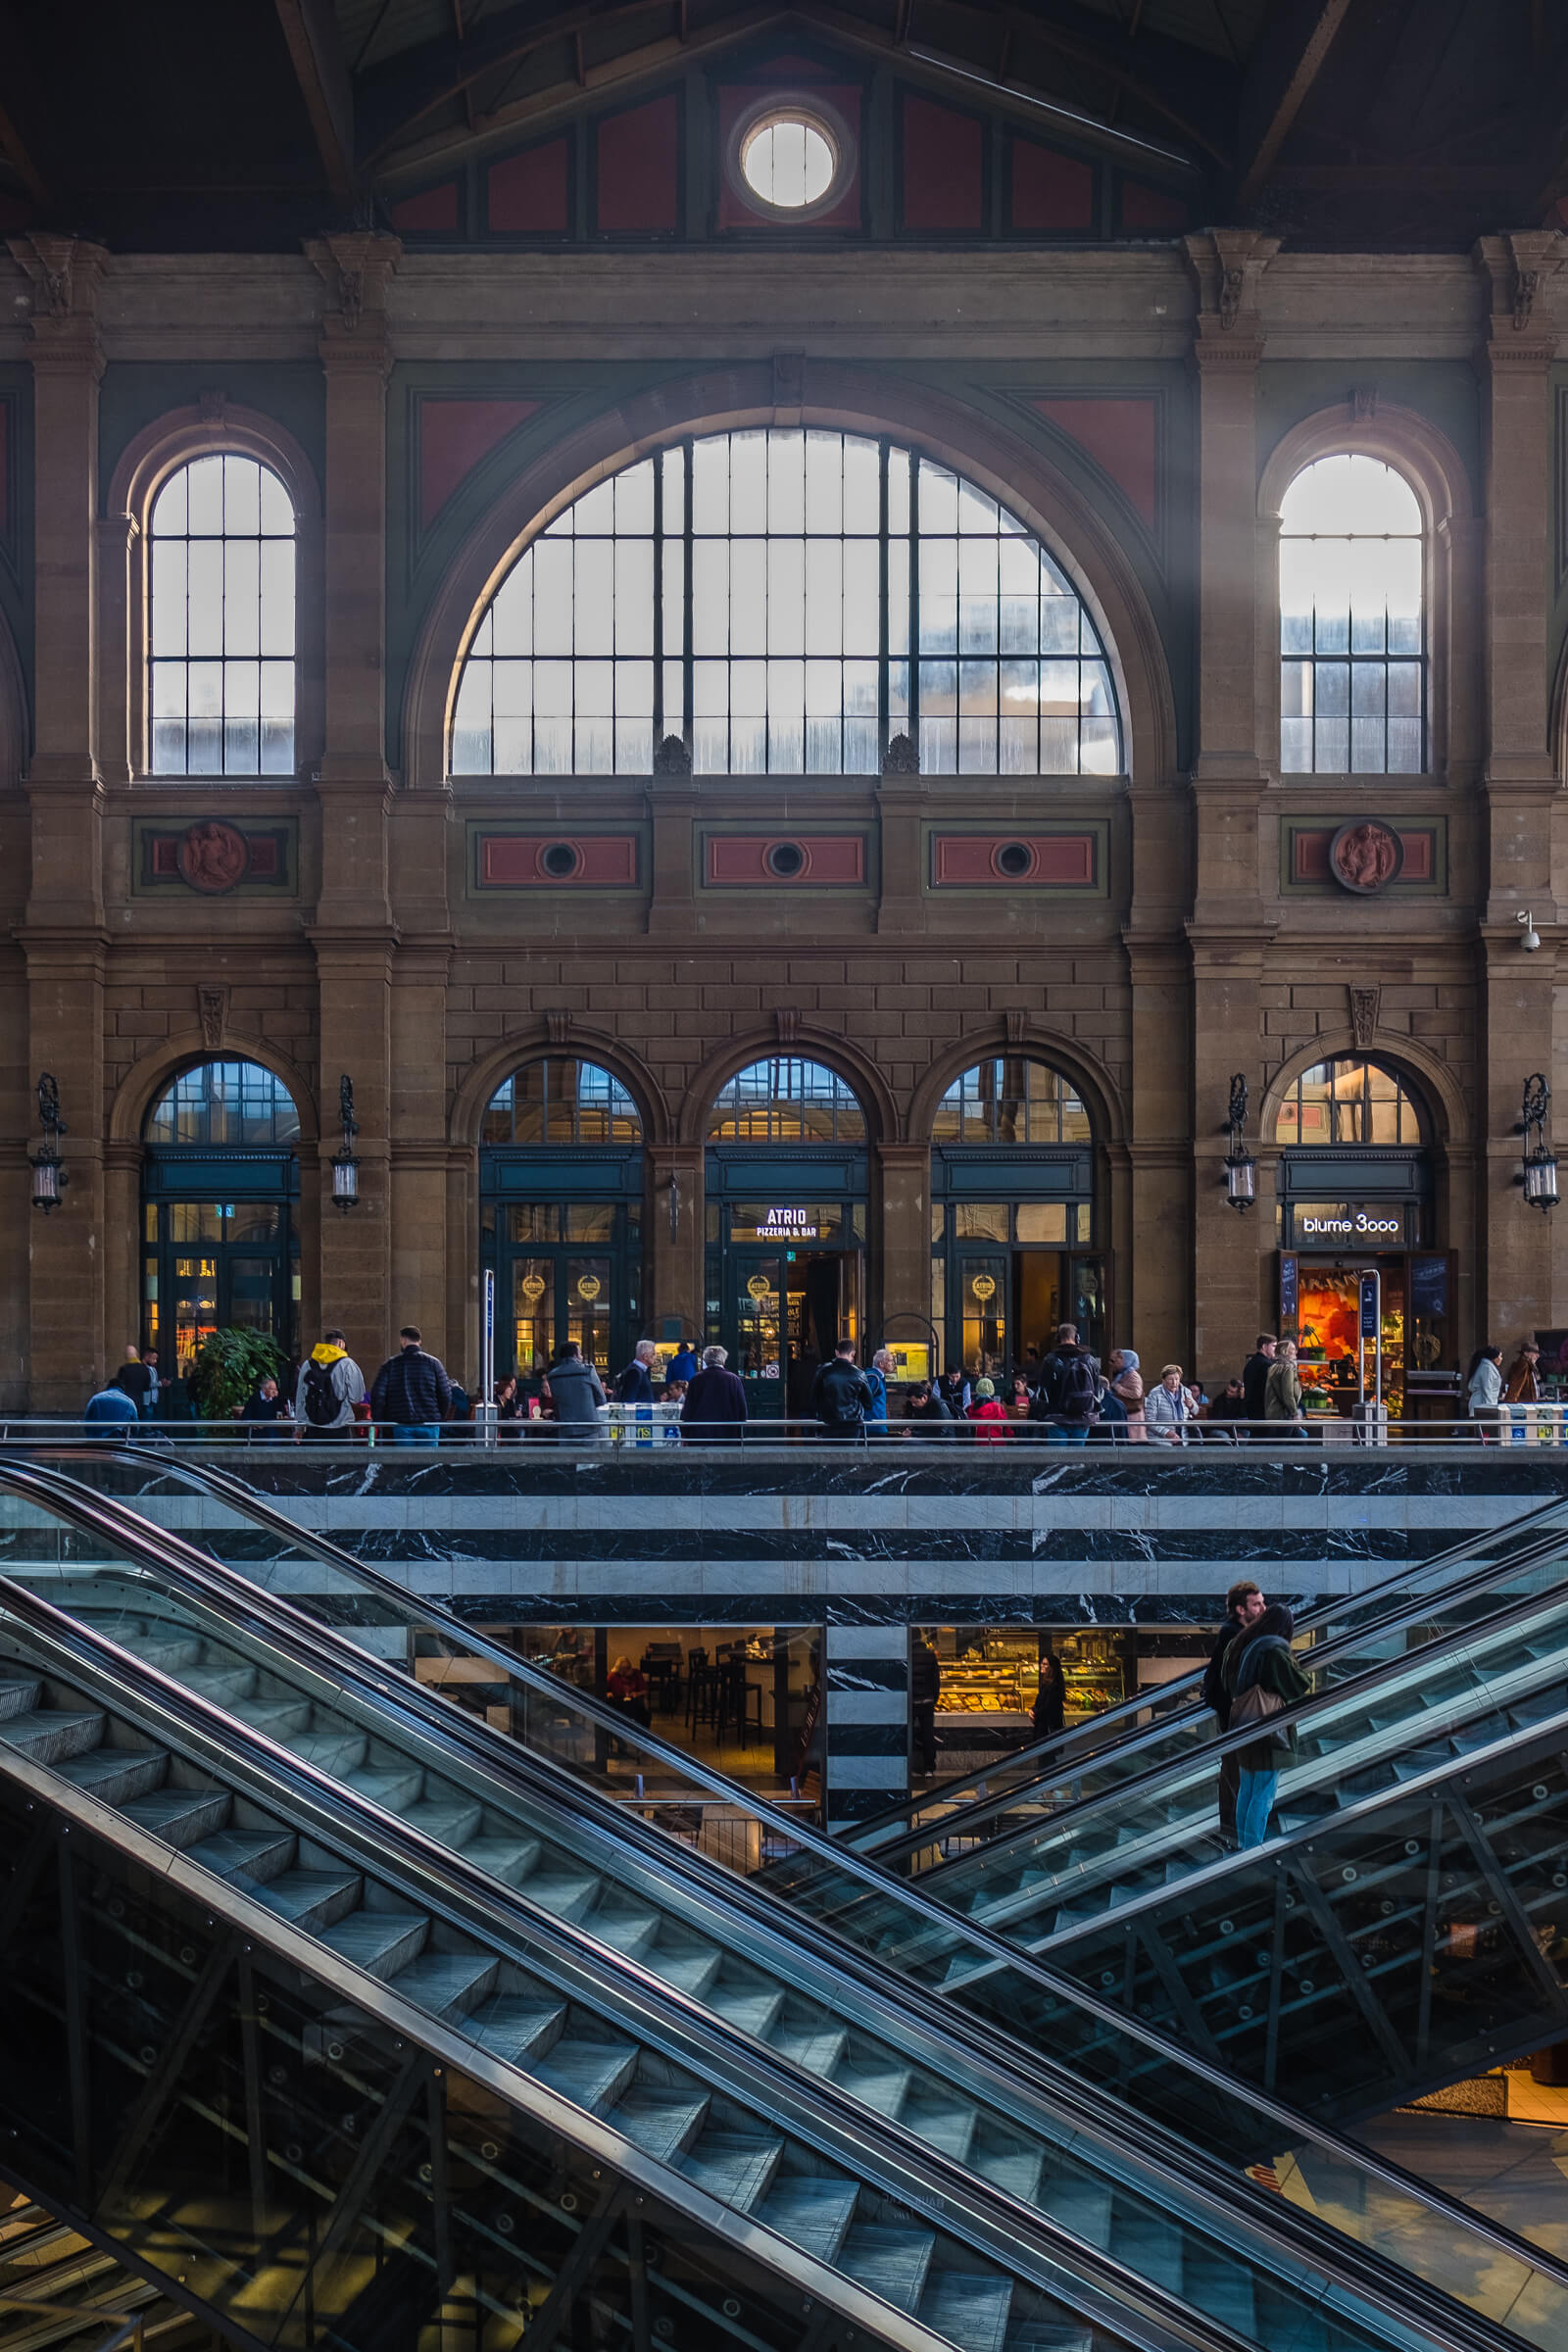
(988,1407)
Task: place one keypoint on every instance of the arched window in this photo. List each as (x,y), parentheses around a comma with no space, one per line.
(562,1102)
(786,602)
(220,643)
(1351,1101)
(786,1100)
(1011,1099)
(1353,644)
(226,1104)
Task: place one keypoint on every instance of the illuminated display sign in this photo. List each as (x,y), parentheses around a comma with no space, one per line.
(1337,1221)
(788,1225)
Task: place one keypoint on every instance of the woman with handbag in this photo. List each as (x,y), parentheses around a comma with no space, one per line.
(1262,1677)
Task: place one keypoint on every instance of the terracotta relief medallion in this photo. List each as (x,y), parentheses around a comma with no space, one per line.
(1365,857)
(213,856)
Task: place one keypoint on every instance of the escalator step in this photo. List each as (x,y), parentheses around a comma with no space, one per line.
(591,2074)
(1016,2172)
(628,1932)
(883,2088)
(891,2262)
(1035,2335)
(813,2214)
(694,1974)
(276,1717)
(19,1698)
(819,2051)
(115,1773)
(381,1941)
(968,2310)
(249,1855)
(1222,2290)
(1161,2249)
(448,1822)
(565,1892)
(512,2027)
(946,2124)
(660,2122)
(509,1859)
(221,1685)
(448,1984)
(394,1790)
(180,1816)
(49,1735)
(318,1899)
(733,2167)
(170,1653)
(331,1750)
(1082,2206)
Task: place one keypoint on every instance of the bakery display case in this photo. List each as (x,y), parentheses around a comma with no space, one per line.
(987,1689)
(1095,1667)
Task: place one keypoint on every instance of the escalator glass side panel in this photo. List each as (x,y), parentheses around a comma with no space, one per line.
(307,2177)
(1026,2007)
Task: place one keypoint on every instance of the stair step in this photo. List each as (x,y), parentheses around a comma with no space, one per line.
(448,1984)
(748,2010)
(330,1752)
(313,1899)
(49,1735)
(180,1816)
(884,2088)
(394,1791)
(591,2074)
(946,2124)
(817,2048)
(509,1859)
(221,1685)
(18,1697)
(512,2027)
(694,1974)
(890,2263)
(115,1773)
(732,2167)
(248,1856)
(452,1822)
(813,2214)
(968,2309)
(382,1943)
(661,2122)
(1014,2171)
(565,1893)
(1080,2206)
(274,1718)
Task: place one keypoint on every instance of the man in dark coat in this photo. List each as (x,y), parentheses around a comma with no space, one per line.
(714,1410)
(1254,1380)
(841,1397)
(1260,1670)
(1244,1604)
(635,1386)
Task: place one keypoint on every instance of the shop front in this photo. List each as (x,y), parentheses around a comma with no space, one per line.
(1012,1217)
(786,1185)
(561,1180)
(1360,1203)
(219,1206)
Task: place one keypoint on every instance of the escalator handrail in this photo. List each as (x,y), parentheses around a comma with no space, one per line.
(997,2224)
(1099,2111)
(553,2112)
(867,1834)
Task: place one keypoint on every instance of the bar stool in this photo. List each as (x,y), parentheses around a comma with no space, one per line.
(738,1713)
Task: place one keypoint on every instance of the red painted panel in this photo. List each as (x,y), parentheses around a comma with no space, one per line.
(516,860)
(639,159)
(528,194)
(1310,861)
(1151,207)
(431,209)
(738,862)
(943,167)
(968,860)
(737,100)
(454,435)
(787,73)
(1120,436)
(1051,190)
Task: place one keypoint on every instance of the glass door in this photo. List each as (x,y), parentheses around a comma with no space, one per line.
(586,1310)
(983,1289)
(213,1266)
(566,1270)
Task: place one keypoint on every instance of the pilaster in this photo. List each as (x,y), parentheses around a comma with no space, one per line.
(672,1238)
(906,1213)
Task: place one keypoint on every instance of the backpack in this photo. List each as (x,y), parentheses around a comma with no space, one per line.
(321,1399)
(1067,1390)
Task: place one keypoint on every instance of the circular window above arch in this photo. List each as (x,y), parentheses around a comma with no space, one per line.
(791,156)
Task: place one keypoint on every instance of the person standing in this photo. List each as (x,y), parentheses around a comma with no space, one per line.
(1049,1713)
(110,1403)
(841,1398)
(1262,1677)
(1524,1377)
(635,1386)
(577,1392)
(329,1386)
(1282,1395)
(139,1385)
(1255,1382)
(412,1391)
(682,1365)
(1127,1381)
(881,1371)
(925,1688)
(1243,1605)
(714,1409)
(1066,1396)
(1166,1408)
(1482,1388)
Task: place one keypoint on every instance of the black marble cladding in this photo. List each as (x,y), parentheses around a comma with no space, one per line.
(822,1546)
(762,1607)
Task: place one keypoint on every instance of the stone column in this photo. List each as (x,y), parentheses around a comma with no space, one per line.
(419,1155)
(906,1223)
(353,933)
(62,935)
(673,1246)
(1231,926)
(866,1743)
(1521,1281)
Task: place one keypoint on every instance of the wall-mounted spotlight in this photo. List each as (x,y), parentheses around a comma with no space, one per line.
(1530,940)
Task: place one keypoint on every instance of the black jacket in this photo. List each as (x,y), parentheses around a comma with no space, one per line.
(841,1396)
(925,1676)
(714,1407)
(410,1387)
(1254,1384)
(1050,1401)
(1216,1695)
(933,1410)
(635,1385)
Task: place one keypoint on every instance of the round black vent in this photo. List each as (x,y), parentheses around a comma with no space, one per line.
(785,858)
(560,860)
(1014,858)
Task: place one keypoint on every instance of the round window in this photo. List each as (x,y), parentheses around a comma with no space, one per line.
(785,858)
(789,158)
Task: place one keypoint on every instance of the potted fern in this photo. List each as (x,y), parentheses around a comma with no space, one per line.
(231,1366)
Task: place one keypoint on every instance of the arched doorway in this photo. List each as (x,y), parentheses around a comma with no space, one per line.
(1356,1191)
(561,1195)
(1013,1241)
(219,1189)
(786,1180)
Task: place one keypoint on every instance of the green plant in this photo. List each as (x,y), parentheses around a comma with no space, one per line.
(231,1368)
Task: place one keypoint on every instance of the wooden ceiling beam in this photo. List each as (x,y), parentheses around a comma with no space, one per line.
(1319,26)
(322,71)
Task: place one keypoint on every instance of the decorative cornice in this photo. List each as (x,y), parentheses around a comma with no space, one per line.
(66,273)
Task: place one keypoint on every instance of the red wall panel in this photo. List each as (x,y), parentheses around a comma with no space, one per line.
(968,860)
(528,194)
(739,861)
(516,860)
(639,168)
(943,167)
(1051,190)
(431,209)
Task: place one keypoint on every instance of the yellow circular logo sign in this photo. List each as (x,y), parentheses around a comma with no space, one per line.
(588,1287)
(533,1288)
(983,1286)
(758,1287)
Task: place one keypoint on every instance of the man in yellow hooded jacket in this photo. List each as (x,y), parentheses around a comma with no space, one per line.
(329,1387)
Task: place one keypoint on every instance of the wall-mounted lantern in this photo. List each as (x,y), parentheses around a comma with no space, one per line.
(1240,1168)
(1541,1164)
(345,1167)
(49,1178)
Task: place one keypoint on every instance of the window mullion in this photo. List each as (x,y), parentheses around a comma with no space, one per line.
(688,664)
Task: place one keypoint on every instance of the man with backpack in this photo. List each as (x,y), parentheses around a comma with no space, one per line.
(329,1387)
(841,1397)
(1068,1398)
(412,1391)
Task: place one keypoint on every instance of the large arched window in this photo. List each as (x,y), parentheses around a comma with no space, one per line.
(220,1191)
(220,640)
(1351,1101)
(226,1104)
(1353,644)
(786,602)
(1011,1099)
(786,1100)
(562,1102)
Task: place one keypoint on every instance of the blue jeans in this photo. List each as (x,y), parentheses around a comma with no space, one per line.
(416,1433)
(1255,1802)
(1067,1432)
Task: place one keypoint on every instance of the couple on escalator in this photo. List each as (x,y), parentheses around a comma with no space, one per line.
(1252,1676)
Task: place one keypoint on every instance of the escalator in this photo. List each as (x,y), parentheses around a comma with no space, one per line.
(60,2293)
(1164,1727)
(227,1664)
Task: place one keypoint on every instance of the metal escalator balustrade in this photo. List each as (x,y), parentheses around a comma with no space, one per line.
(1371,2202)
(167,1790)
